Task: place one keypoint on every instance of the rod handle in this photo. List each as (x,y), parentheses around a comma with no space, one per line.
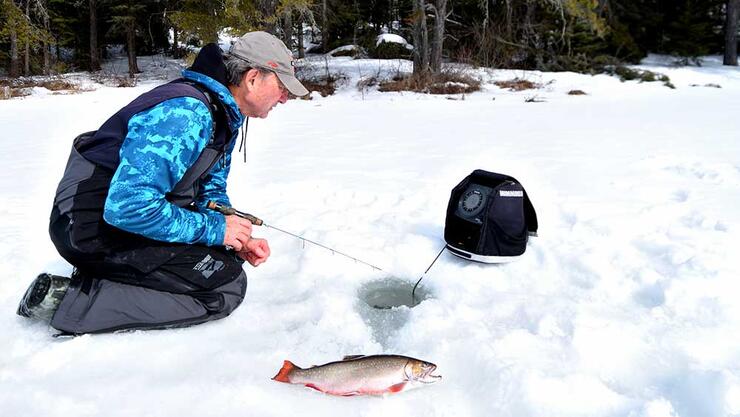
(230,211)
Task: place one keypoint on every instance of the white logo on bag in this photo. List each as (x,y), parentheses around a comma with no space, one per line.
(504,193)
(208,266)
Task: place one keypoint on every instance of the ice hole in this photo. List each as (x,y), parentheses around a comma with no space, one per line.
(385,306)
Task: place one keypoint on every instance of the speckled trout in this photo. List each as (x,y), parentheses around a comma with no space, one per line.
(361,375)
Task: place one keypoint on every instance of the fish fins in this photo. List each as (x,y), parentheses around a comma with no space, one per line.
(397,388)
(284,373)
(352,357)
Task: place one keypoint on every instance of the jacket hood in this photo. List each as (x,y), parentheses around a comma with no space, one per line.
(210,62)
(210,71)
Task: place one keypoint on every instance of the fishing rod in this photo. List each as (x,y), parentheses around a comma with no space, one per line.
(230,211)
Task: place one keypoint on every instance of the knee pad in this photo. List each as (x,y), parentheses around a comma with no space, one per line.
(221,301)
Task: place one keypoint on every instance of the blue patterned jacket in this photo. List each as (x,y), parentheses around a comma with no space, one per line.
(162,142)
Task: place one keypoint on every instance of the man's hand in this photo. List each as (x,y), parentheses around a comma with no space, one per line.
(238,232)
(256,251)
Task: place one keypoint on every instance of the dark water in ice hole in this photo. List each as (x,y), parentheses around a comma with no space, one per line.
(385,306)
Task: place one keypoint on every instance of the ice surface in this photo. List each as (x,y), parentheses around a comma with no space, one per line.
(625,305)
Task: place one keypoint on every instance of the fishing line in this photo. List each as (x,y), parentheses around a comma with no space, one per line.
(333,251)
(413,296)
(259,222)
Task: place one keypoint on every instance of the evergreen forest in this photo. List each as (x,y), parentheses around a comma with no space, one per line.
(57,36)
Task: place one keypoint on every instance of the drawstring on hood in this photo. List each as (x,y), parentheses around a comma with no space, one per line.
(210,71)
(243,142)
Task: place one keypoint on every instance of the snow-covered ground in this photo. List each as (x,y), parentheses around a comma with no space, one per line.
(625,305)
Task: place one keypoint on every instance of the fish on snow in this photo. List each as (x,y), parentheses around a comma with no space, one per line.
(361,375)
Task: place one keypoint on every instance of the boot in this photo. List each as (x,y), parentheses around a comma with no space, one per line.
(43,297)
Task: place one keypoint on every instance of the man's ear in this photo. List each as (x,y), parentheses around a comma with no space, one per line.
(250,76)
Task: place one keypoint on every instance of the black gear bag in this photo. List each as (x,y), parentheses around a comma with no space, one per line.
(489,218)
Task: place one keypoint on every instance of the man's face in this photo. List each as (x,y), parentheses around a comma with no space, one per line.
(258,93)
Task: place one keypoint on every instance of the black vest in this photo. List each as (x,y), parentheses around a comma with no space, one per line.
(77,227)
(103,146)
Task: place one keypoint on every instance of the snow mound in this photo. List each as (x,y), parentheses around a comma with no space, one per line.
(392,38)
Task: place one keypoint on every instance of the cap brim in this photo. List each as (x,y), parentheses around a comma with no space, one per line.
(292,84)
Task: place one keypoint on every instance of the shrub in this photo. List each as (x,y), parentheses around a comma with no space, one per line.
(391,50)
(346,52)
(5,92)
(353,51)
(325,87)
(125,81)
(629,74)
(446,82)
(517,84)
(22,86)
(315,79)
(20,92)
(367,82)
(58,84)
(189,58)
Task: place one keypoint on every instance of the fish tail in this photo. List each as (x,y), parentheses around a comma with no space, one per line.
(285,371)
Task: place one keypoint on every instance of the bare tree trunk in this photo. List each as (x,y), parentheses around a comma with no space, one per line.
(47,58)
(605,6)
(733,9)
(484,47)
(27,59)
(421,38)
(486,15)
(418,14)
(324,28)
(94,56)
(268,8)
(357,22)
(301,47)
(15,65)
(175,43)
(133,68)
(527,25)
(392,15)
(57,52)
(440,16)
(424,36)
(288,28)
(44,44)
(509,32)
(27,46)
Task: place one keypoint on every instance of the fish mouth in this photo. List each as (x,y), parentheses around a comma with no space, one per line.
(428,377)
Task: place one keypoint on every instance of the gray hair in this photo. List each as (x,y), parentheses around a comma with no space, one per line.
(236,68)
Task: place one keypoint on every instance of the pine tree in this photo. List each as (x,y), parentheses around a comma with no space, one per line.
(94,53)
(125,19)
(421,39)
(203,20)
(69,30)
(301,9)
(691,32)
(20,28)
(732,13)
(439,8)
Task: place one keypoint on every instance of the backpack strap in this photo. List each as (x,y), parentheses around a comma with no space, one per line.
(184,192)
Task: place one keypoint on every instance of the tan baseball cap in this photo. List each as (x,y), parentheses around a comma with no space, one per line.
(265,51)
